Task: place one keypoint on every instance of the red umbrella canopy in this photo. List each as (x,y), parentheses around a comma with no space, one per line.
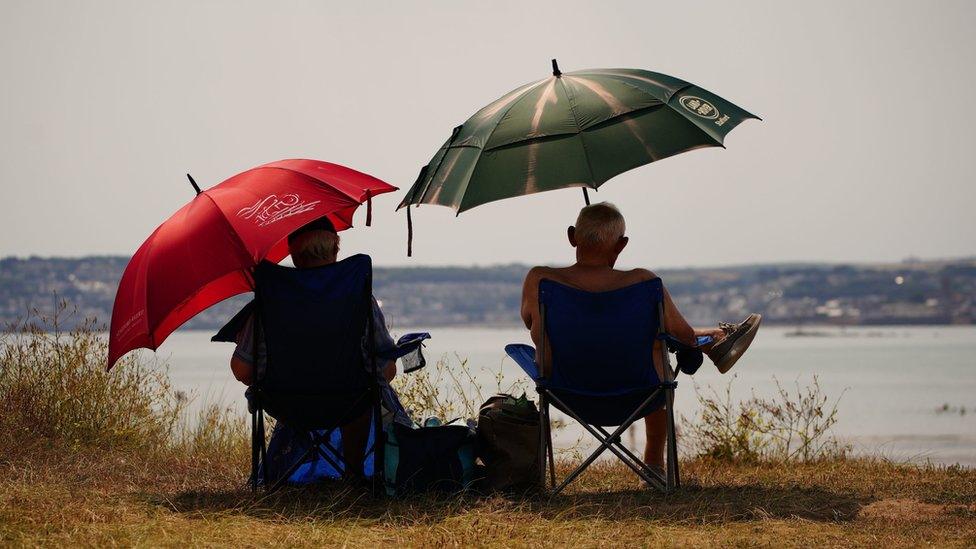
(204,253)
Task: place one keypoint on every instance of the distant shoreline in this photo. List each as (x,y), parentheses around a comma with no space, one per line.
(830,330)
(910,293)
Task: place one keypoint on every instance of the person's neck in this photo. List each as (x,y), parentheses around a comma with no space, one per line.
(591,260)
(313,264)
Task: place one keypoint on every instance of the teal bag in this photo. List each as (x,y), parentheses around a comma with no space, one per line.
(433,457)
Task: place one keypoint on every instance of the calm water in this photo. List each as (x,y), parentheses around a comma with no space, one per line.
(891,381)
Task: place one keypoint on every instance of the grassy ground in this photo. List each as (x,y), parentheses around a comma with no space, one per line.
(89,458)
(62,497)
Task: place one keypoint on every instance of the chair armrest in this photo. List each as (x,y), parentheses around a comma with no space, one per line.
(405,345)
(689,357)
(524,356)
(675,345)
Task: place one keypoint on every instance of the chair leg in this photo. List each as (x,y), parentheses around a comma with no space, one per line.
(254,451)
(611,442)
(332,460)
(673,476)
(262,444)
(379,446)
(543,428)
(315,448)
(280,481)
(579,469)
(549,449)
(637,464)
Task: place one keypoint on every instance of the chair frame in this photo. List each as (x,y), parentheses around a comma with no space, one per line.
(319,438)
(667,483)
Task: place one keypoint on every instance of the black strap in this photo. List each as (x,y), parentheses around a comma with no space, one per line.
(409,233)
(369,207)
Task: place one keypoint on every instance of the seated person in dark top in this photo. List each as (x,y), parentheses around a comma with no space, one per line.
(314,245)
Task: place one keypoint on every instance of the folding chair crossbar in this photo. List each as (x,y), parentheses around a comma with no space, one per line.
(319,441)
(608,441)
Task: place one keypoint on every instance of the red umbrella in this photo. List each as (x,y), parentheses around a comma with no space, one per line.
(204,253)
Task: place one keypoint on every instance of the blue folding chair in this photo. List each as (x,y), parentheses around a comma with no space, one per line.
(601,371)
(318,332)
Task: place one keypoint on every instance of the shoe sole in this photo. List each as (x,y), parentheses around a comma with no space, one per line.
(739,348)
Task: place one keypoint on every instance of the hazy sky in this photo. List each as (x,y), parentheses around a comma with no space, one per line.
(865,152)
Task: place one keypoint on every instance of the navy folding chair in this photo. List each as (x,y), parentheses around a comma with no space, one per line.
(600,347)
(318,332)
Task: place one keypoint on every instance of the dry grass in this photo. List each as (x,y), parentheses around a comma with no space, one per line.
(117,471)
(794,424)
(53,497)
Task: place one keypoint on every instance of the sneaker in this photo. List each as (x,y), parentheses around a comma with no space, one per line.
(726,351)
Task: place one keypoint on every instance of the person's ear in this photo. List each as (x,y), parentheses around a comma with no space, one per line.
(571,234)
(621,244)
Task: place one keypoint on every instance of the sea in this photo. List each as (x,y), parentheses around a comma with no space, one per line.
(902,393)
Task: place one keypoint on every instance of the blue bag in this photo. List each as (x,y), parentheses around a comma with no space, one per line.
(433,457)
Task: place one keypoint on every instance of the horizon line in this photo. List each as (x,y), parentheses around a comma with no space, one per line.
(907,261)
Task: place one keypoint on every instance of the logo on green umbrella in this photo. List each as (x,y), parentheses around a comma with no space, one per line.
(699,106)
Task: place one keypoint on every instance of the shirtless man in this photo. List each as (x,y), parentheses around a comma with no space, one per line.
(598,237)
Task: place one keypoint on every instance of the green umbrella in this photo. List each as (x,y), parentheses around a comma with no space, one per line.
(574,129)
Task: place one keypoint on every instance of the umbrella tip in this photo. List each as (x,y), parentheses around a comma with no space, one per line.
(555,69)
(194,183)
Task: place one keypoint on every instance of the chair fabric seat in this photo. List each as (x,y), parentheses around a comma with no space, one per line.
(316,411)
(607,410)
(597,408)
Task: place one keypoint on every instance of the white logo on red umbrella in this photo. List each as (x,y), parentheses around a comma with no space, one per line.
(274,208)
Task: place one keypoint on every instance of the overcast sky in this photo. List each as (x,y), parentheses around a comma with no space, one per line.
(865,152)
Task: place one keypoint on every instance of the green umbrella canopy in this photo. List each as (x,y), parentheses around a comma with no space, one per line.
(574,129)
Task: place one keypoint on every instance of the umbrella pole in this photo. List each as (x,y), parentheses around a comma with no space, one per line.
(586,196)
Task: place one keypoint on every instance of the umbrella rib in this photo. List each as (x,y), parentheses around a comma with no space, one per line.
(606,122)
(579,129)
(149,331)
(474,168)
(241,248)
(621,78)
(317,182)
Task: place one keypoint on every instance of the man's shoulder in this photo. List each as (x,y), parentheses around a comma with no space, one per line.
(640,275)
(541,271)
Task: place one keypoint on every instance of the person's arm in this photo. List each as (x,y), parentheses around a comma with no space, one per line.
(382,340)
(243,371)
(675,323)
(530,291)
(242,361)
(530,304)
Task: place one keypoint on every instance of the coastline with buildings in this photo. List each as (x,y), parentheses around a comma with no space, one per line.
(912,292)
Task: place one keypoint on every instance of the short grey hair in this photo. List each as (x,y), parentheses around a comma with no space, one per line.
(314,246)
(600,224)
